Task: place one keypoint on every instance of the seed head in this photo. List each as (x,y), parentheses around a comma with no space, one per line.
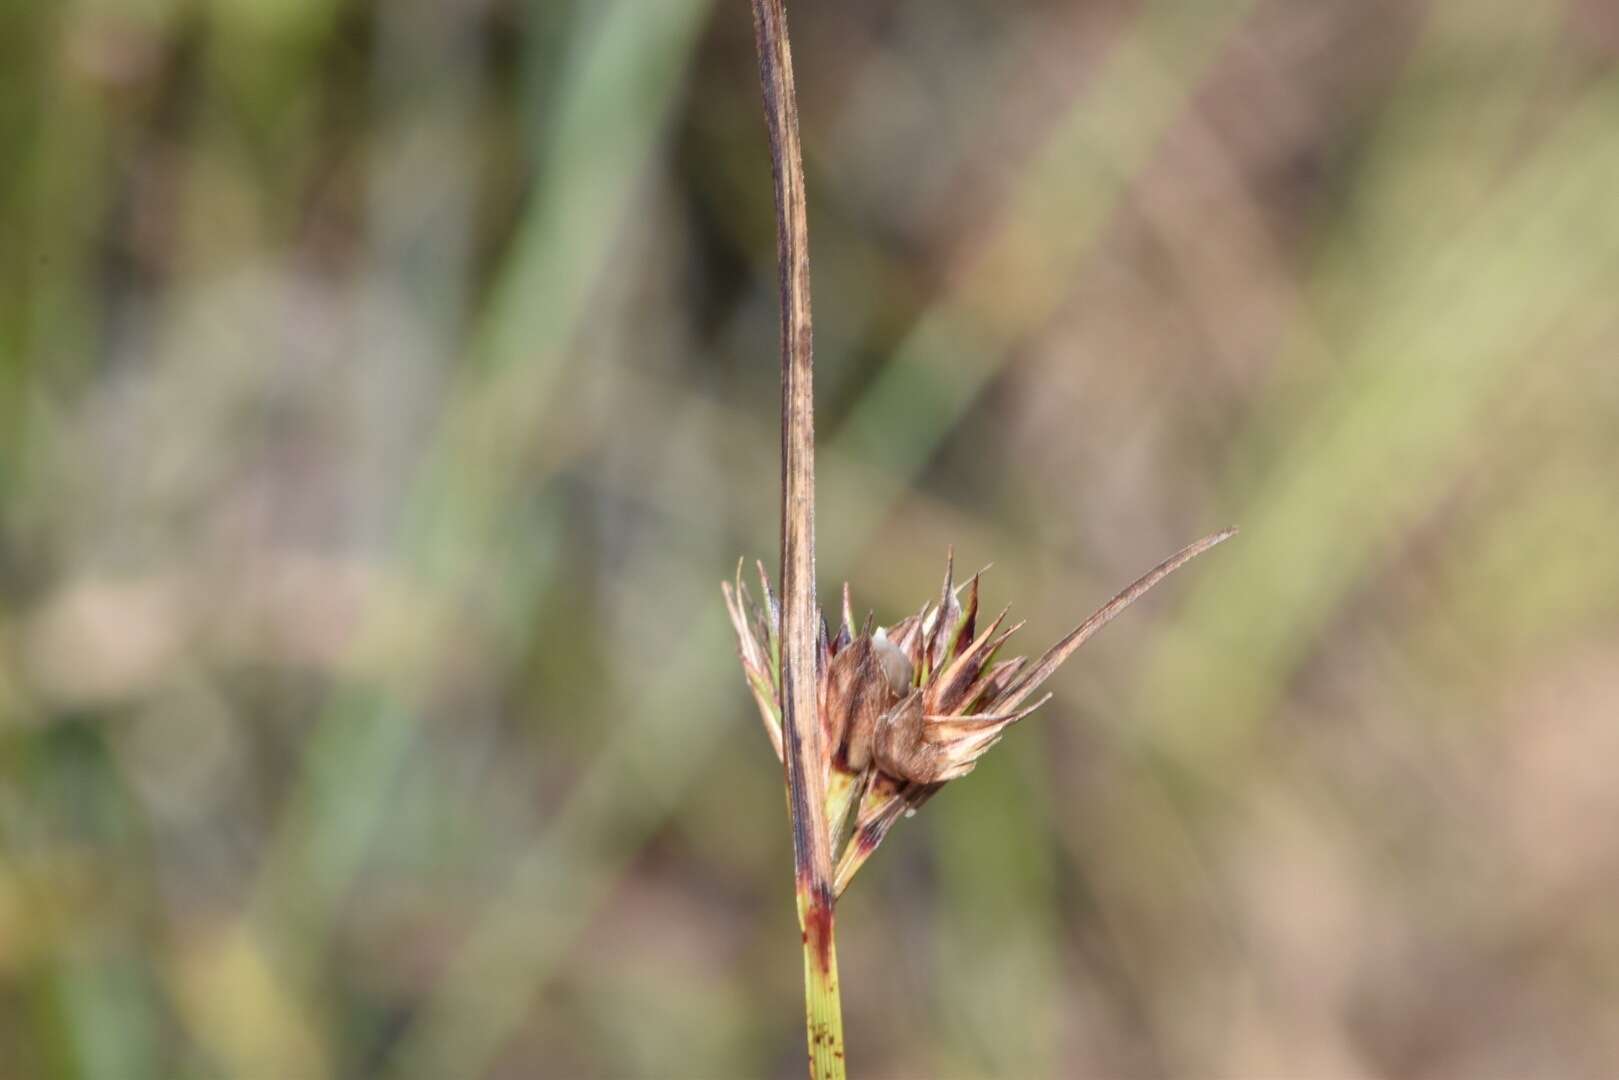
(907,708)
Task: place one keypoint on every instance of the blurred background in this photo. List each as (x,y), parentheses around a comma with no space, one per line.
(385,389)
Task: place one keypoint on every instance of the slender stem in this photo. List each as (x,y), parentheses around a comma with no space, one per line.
(803,756)
(822,1005)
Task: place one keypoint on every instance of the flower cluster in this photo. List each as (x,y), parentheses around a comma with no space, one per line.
(907,708)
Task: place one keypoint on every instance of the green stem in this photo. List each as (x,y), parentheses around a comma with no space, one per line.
(823,1007)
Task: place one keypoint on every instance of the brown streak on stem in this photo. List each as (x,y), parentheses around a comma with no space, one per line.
(805,759)
(818,932)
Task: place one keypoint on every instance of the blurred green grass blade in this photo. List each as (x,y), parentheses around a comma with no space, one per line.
(998,945)
(635,783)
(106,1002)
(53,188)
(421,192)
(1450,324)
(1050,226)
(1526,574)
(610,113)
(618,85)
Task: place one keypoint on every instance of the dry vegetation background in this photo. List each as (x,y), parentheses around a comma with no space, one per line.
(385,389)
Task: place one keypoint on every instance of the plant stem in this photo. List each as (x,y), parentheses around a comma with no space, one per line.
(822,1005)
(803,755)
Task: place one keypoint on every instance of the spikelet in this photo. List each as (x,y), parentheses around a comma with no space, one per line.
(908,708)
